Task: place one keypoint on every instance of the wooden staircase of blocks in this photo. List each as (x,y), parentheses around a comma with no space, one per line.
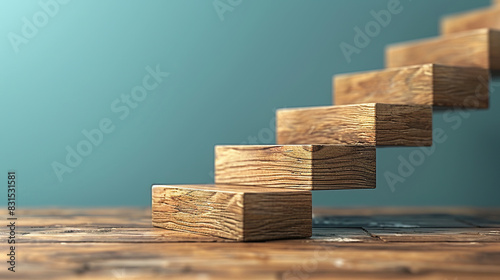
(264,192)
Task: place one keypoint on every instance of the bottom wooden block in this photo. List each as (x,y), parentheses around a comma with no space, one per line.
(234,212)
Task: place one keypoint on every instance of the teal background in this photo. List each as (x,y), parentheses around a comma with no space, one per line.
(226,79)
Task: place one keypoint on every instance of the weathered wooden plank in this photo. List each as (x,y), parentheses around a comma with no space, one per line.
(111,249)
(428,84)
(477,19)
(341,235)
(233,212)
(399,274)
(431,211)
(115,233)
(395,221)
(436,234)
(476,48)
(311,167)
(362,124)
(485,220)
(286,261)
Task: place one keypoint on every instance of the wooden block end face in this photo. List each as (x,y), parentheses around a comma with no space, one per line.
(461,87)
(310,167)
(233,212)
(344,167)
(332,125)
(277,215)
(404,125)
(494,49)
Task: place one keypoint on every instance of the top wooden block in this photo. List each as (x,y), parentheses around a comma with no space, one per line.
(477,48)
(428,84)
(483,18)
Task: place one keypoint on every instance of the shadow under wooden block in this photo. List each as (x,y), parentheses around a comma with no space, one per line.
(361,124)
(476,48)
(233,212)
(310,167)
(427,84)
(481,18)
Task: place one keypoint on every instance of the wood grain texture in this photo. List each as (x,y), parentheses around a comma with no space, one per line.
(468,49)
(362,124)
(477,19)
(98,244)
(238,213)
(311,167)
(428,84)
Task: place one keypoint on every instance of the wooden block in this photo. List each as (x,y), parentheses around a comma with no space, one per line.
(477,48)
(482,18)
(233,212)
(361,124)
(428,84)
(311,167)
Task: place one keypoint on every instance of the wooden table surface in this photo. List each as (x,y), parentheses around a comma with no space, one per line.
(445,244)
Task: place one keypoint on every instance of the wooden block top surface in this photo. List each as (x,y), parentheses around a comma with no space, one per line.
(477,19)
(475,48)
(357,124)
(427,84)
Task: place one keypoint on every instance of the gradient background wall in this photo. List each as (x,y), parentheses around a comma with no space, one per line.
(227,76)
